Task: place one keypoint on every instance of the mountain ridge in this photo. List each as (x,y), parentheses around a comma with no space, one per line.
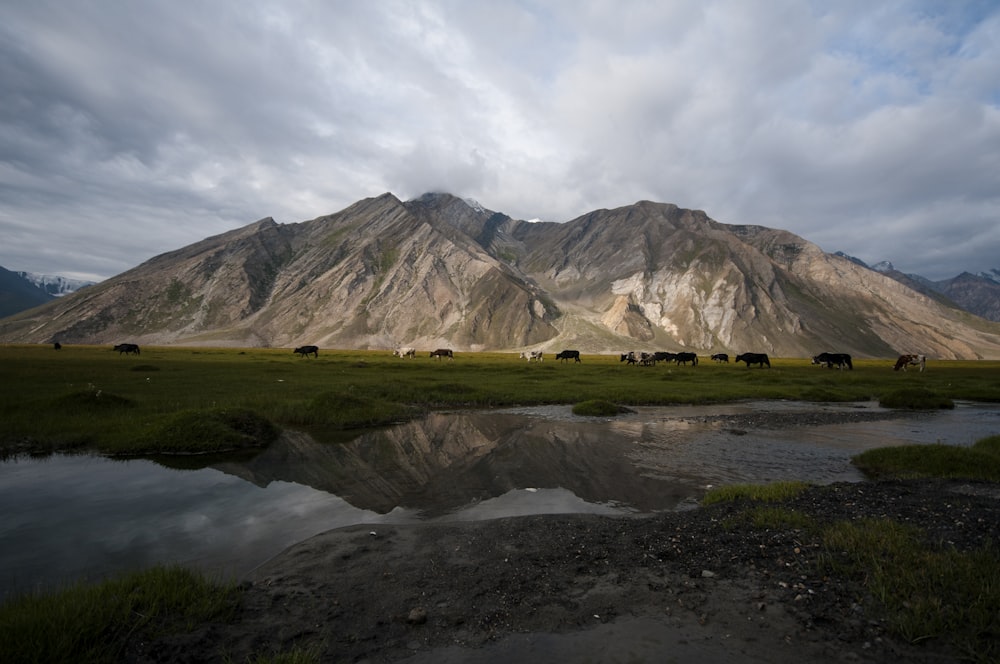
(976,293)
(439,271)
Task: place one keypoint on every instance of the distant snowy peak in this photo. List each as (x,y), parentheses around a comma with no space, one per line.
(883,266)
(54,284)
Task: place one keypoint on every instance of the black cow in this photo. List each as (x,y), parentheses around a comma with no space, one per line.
(628,357)
(568,355)
(661,356)
(305,351)
(443,352)
(754,358)
(127,349)
(721,357)
(684,358)
(830,359)
(57,346)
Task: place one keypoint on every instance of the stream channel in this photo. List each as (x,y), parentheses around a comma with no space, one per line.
(70,517)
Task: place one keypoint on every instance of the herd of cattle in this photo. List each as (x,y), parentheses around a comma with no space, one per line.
(829,360)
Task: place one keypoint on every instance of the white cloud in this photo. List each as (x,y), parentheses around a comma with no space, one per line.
(126,131)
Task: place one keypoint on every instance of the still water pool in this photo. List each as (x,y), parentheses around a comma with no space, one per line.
(64,517)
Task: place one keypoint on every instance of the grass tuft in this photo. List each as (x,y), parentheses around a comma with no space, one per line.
(981,461)
(915,398)
(598,408)
(198,431)
(95,622)
(340,410)
(767,493)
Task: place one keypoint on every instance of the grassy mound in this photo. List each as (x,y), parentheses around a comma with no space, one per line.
(599,408)
(915,398)
(91,401)
(981,461)
(337,410)
(199,431)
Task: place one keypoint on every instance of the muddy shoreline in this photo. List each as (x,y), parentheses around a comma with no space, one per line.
(697,584)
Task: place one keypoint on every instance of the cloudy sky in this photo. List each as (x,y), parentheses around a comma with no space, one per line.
(129,127)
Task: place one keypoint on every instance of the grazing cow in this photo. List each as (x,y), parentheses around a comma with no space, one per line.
(568,355)
(829,359)
(754,358)
(405,352)
(661,356)
(443,352)
(57,346)
(910,360)
(628,357)
(127,349)
(684,358)
(721,357)
(305,351)
(531,355)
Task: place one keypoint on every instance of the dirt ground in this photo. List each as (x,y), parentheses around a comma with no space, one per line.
(691,586)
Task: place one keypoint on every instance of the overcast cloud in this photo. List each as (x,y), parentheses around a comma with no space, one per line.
(129,128)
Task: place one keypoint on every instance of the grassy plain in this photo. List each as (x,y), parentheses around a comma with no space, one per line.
(180,399)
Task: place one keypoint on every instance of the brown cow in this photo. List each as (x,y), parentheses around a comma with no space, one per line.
(910,360)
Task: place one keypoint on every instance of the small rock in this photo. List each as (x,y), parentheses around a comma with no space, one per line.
(418,616)
(707,574)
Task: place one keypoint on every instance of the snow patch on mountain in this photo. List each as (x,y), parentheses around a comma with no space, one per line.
(54,284)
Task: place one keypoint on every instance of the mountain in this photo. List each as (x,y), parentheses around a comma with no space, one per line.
(54,284)
(976,293)
(440,271)
(17,294)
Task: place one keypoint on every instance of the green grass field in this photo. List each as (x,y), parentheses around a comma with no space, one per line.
(174,399)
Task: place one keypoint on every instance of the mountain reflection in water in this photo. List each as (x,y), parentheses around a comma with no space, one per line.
(654,459)
(448,460)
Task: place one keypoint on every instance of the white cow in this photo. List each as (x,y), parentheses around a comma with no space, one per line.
(405,352)
(530,355)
